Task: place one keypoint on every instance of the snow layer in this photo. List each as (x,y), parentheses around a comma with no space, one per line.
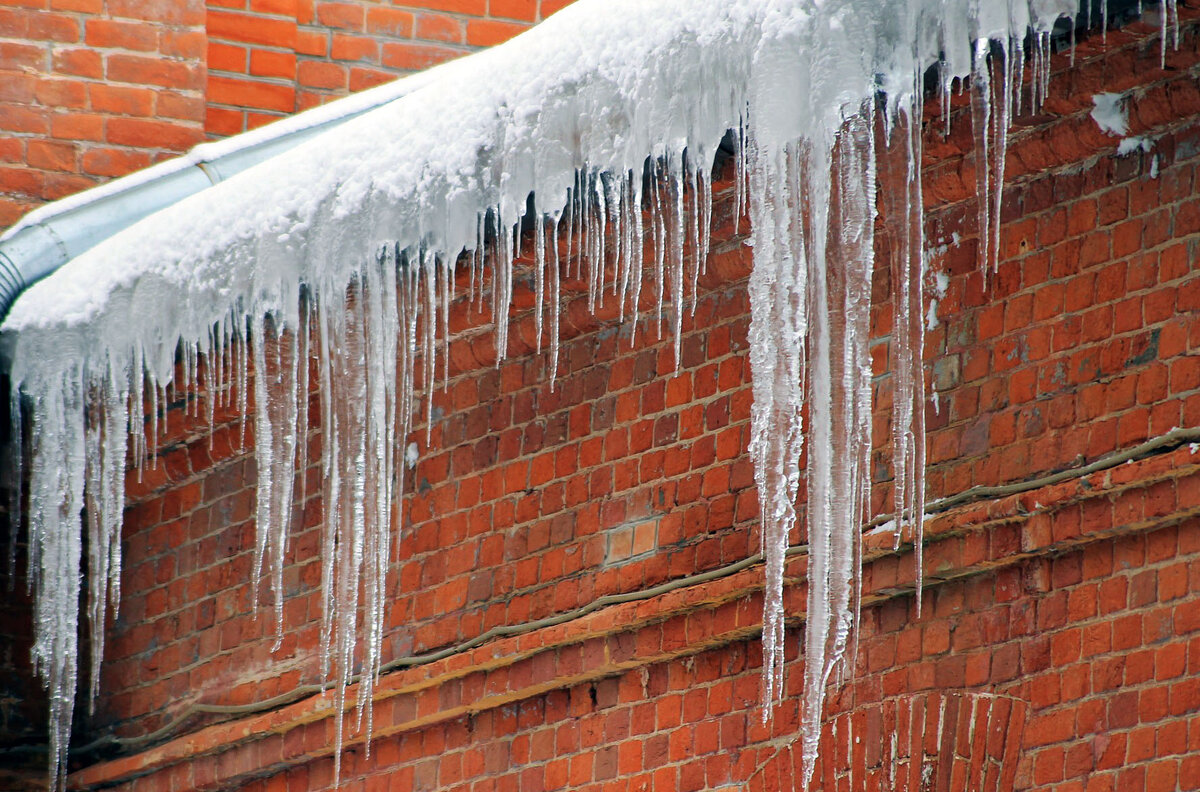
(344,249)
(1108,111)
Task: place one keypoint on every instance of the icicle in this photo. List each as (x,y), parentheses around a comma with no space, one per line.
(539,276)
(555,307)
(1168,24)
(778,327)
(981,123)
(105,442)
(677,241)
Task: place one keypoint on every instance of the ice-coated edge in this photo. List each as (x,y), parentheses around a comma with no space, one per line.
(568,112)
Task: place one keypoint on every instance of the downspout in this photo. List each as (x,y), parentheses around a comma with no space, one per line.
(52,235)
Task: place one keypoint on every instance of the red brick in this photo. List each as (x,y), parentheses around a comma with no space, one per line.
(318,74)
(113,162)
(21,180)
(250,29)
(438,27)
(269,63)
(60,185)
(77,126)
(53,27)
(120,100)
(310,43)
(391,22)
(20,56)
(19,118)
(345,16)
(83,6)
(145,133)
(525,10)
(181,13)
(287,8)
(363,78)
(354,48)
(184,107)
(223,121)
(17,87)
(141,70)
(80,62)
(51,155)
(251,94)
(486,32)
(414,57)
(120,35)
(226,57)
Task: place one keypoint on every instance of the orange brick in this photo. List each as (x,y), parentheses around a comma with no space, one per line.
(346,16)
(113,162)
(82,6)
(286,8)
(467,7)
(13,209)
(121,100)
(21,180)
(250,29)
(185,107)
(52,155)
(80,62)
(12,149)
(77,126)
(439,27)
(310,43)
(385,21)
(121,35)
(141,70)
(525,10)
(363,78)
(318,74)
(185,13)
(16,55)
(255,120)
(60,185)
(222,121)
(486,32)
(17,87)
(269,63)
(548,7)
(50,26)
(19,118)
(182,43)
(145,133)
(224,57)
(414,57)
(251,94)
(354,48)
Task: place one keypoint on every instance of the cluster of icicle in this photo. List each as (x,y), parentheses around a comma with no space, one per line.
(604,121)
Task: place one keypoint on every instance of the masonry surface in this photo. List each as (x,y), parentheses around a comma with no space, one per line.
(542,519)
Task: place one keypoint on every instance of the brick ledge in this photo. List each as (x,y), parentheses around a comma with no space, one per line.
(968,540)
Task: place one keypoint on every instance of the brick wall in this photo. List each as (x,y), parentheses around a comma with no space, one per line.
(1078,597)
(93,89)
(268,58)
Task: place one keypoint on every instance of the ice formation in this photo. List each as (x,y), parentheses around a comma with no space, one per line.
(1108,111)
(344,250)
